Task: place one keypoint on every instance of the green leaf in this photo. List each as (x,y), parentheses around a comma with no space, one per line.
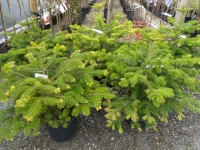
(128,109)
(80,98)
(8,67)
(158,95)
(123,82)
(33,44)
(156,103)
(49,101)
(85,110)
(120,130)
(34,110)
(76,111)
(32,126)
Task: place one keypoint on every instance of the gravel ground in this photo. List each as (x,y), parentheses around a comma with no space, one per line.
(93,135)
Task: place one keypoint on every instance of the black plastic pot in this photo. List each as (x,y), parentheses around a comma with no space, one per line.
(198,32)
(144,4)
(61,134)
(105,11)
(86,9)
(188,19)
(124,5)
(193,34)
(150,8)
(130,14)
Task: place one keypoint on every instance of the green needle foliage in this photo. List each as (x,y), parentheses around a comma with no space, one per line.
(150,84)
(69,90)
(151,76)
(21,41)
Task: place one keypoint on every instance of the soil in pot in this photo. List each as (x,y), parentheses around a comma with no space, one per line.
(61,134)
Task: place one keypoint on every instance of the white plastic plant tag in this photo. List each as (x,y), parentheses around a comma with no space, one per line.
(148,66)
(41,75)
(166,14)
(98,31)
(183,36)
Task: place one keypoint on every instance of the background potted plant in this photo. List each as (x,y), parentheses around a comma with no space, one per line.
(19,42)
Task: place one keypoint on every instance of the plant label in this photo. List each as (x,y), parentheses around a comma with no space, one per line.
(41,75)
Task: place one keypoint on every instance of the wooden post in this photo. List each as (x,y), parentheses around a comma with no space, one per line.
(33,7)
(34,10)
(180,16)
(84,3)
(11,14)
(110,10)
(3,21)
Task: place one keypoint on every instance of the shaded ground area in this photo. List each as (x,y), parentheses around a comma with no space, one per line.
(3,48)
(93,135)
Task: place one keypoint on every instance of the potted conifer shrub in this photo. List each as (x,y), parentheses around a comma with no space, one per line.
(151,77)
(48,90)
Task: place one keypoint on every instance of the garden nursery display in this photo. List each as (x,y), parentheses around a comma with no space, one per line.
(51,79)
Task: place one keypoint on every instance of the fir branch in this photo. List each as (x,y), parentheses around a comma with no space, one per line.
(19,74)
